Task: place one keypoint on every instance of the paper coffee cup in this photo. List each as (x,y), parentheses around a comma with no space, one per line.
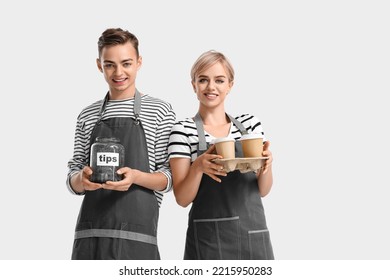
(225,147)
(252,145)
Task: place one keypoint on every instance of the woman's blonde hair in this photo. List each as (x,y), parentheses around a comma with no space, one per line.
(208,59)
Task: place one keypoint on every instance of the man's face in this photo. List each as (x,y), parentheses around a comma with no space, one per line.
(119,65)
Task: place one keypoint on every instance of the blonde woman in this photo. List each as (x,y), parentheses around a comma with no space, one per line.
(227,219)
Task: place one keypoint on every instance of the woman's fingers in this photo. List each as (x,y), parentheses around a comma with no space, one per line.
(210,150)
(266,145)
(215,170)
(212,176)
(266,153)
(267,164)
(209,167)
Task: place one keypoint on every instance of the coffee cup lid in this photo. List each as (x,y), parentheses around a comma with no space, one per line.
(223,139)
(251,136)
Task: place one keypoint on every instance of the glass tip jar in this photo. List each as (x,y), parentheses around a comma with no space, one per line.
(106,157)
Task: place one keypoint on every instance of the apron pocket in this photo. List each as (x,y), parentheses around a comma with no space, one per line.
(217,239)
(260,247)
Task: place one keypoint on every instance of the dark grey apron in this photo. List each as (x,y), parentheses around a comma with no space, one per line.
(116,224)
(227,220)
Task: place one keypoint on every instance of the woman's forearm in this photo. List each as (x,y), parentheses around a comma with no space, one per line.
(265,181)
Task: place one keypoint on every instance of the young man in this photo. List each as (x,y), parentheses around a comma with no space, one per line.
(118,220)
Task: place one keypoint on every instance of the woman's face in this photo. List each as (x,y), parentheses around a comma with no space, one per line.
(212,85)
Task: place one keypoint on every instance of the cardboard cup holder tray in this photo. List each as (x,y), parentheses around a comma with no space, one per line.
(242,164)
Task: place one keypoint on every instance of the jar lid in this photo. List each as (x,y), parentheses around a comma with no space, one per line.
(107,139)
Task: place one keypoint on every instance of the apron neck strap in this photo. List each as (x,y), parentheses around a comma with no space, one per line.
(238,125)
(201,136)
(137,105)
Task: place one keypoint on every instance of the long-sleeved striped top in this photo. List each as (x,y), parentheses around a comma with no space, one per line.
(157,118)
(183,141)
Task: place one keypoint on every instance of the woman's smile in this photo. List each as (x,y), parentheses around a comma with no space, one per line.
(211,96)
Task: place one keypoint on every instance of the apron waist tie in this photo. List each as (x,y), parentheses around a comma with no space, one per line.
(114,233)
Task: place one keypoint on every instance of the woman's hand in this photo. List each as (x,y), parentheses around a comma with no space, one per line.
(205,164)
(264,174)
(268,162)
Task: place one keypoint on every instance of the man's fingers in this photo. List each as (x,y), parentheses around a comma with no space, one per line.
(115,187)
(92,186)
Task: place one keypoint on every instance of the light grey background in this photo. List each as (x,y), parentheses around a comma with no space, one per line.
(316,73)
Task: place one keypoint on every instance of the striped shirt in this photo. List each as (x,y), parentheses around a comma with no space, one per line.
(157,118)
(183,141)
